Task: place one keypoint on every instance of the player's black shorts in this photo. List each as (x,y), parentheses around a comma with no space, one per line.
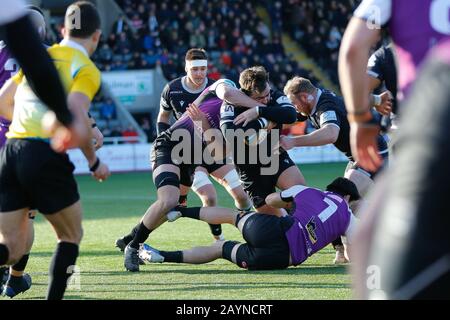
(162,154)
(266,246)
(213,167)
(260,186)
(33,176)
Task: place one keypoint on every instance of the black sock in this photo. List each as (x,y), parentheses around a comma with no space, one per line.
(216,229)
(127,239)
(193,213)
(4,254)
(20,266)
(337,242)
(172,256)
(140,237)
(65,256)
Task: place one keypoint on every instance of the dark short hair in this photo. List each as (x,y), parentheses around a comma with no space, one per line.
(89,20)
(196,54)
(344,187)
(253,79)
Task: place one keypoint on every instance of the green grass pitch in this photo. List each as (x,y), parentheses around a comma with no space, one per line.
(113,207)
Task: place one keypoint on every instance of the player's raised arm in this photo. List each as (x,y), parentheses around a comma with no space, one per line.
(165,111)
(353,57)
(41,73)
(226,90)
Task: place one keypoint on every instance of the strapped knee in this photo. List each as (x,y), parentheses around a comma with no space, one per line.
(232,180)
(201,179)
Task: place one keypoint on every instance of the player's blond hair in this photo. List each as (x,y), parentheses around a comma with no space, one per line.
(298,85)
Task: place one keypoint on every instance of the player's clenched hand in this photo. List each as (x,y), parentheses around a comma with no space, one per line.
(364,144)
(246,117)
(102,173)
(197,115)
(385,108)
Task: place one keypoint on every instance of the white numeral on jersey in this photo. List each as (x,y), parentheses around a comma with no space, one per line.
(328,211)
(439,18)
(12,66)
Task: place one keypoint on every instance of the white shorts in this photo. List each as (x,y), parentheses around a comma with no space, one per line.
(11,10)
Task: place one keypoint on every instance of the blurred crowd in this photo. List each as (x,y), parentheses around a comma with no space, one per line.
(317,25)
(158,33)
(161,33)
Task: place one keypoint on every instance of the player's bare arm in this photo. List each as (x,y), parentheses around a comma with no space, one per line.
(7,93)
(235,97)
(325,135)
(353,57)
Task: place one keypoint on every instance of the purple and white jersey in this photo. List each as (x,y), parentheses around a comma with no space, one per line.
(210,104)
(8,67)
(415,27)
(320,217)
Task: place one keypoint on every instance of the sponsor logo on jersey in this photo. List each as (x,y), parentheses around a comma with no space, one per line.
(327,117)
(311,228)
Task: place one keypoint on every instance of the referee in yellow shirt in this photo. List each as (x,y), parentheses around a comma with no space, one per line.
(32,174)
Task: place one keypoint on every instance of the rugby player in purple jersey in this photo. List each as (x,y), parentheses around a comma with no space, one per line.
(402,249)
(316,219)
(168,171)
(415,27)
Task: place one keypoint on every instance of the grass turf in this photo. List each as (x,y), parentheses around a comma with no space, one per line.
(112,208)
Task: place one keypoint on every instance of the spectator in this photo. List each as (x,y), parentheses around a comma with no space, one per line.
(118,26)
(148,129)
(108,110)
(129,134)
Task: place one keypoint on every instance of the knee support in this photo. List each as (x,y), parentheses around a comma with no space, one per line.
(201,179)
(232,180)
(167,179)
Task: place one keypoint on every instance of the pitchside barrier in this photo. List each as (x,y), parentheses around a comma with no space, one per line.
(136,157)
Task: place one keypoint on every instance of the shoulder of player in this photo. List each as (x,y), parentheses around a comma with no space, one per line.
(328,98)
(328,102)
(228,110)
(90,65)
(175,84)
(275,94)
(279,98)
(389,53)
